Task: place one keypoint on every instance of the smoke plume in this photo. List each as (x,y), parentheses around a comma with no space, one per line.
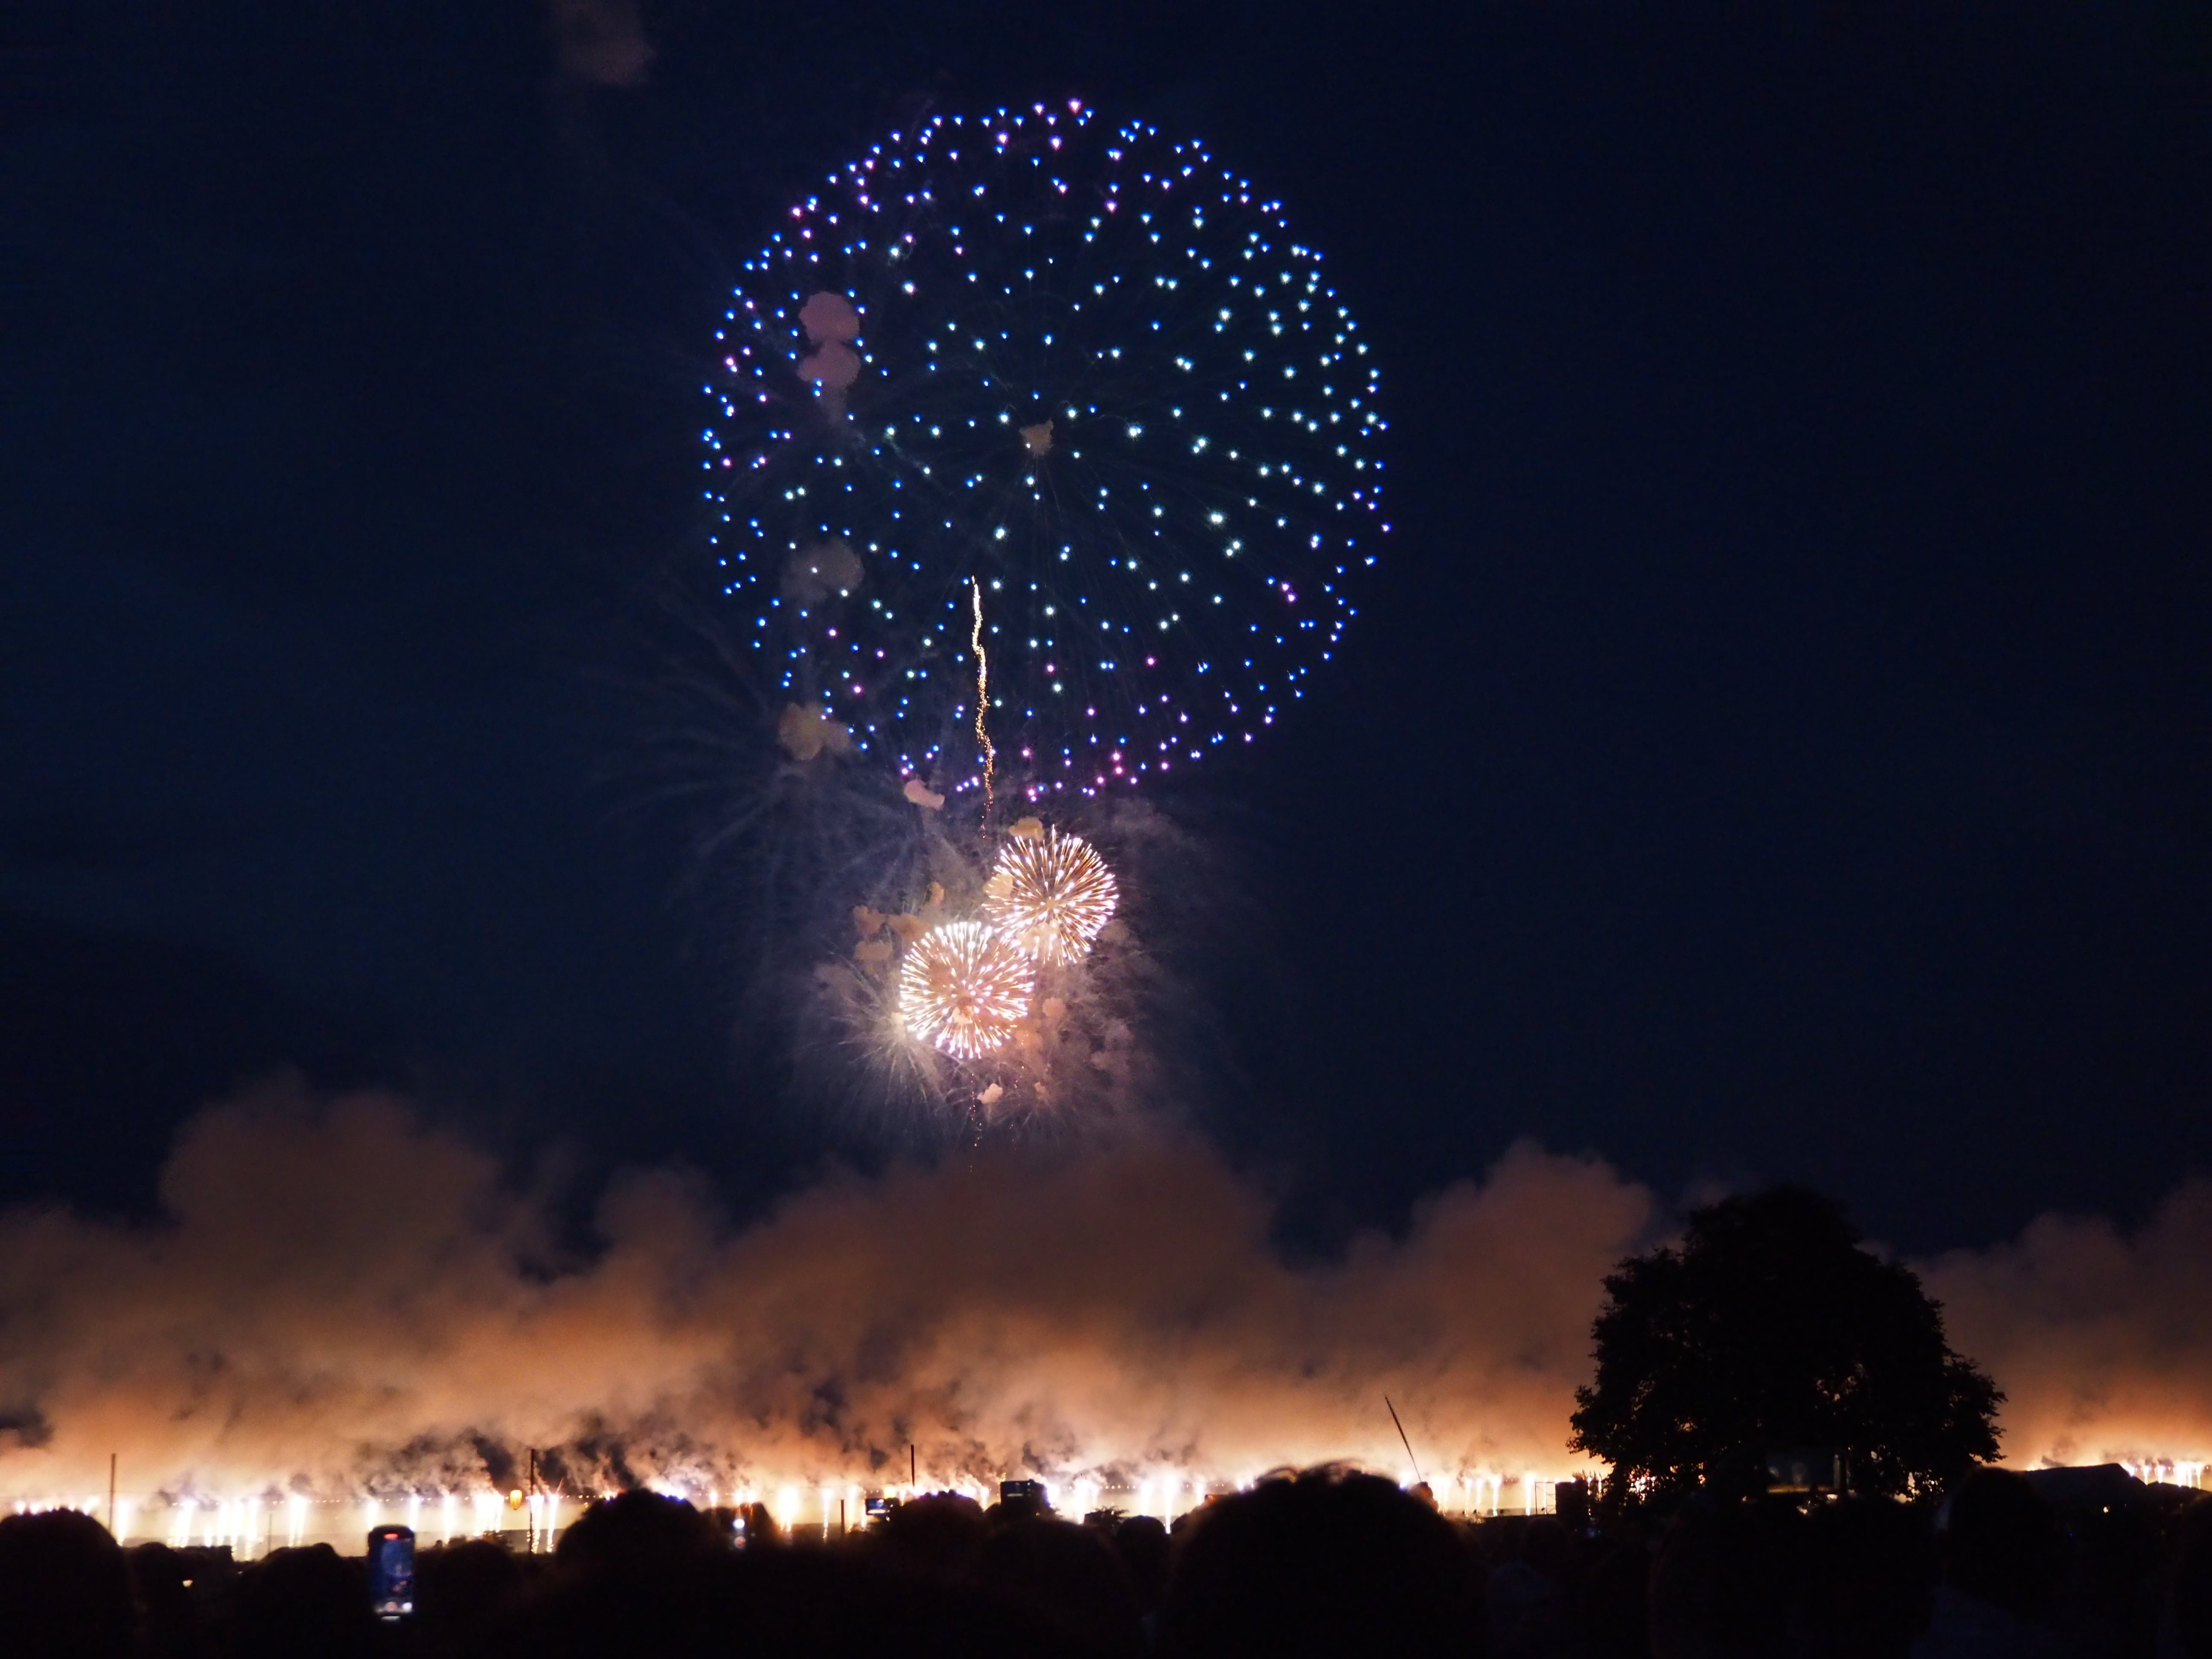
(2101,1340)
(342,1297)
(600,42)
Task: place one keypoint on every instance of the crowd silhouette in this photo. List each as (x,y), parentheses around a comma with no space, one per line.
(1326,1562)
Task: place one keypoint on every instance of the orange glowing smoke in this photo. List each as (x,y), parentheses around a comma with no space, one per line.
(340,1300)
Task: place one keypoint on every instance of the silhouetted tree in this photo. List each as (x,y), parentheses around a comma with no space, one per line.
(1769,1327)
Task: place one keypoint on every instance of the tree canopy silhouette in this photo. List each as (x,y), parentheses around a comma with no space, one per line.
(1769,1327)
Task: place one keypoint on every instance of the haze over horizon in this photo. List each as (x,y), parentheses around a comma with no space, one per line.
(344,1300)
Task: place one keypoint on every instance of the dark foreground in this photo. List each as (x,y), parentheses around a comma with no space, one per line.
(1325,1563)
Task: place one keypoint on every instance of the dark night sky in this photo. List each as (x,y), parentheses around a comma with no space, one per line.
(1777,748)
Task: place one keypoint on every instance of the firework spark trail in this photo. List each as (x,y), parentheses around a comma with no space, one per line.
(982,697)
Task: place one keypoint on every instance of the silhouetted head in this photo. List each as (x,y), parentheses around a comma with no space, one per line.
(1546,1544)
(1324,1563)
(1142,1542)
(1069,1577)
(636,1533)
(65,1589)
(1862,1581)
(158,1576)
(940,1537)
(634,1574)
(1525,1608)
(461,1590)
(298,1601)
(1612,1602)
(1999,1541)
(1716,1588)
(2192,1582)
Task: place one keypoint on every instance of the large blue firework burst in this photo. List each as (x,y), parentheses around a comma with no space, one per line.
(1082,374)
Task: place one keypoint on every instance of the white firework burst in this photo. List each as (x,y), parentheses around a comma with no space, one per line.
(1051,894)
(964,989)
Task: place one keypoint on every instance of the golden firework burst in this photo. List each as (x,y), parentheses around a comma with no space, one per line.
(1050,894)
(964,989)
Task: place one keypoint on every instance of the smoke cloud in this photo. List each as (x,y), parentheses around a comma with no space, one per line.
(2102,1341)
(600,42)
(342,1297)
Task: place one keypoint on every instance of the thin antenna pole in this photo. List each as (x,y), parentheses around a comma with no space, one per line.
(913,1479)
(111,1494)
(1402,1441)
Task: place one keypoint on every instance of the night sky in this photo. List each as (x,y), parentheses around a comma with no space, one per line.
(1776,749)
